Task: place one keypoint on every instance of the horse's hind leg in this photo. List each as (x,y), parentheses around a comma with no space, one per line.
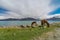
(48,24)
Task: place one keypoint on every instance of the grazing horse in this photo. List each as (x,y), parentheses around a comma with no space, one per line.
(43,22)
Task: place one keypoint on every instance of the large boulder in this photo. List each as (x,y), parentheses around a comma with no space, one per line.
(33,24)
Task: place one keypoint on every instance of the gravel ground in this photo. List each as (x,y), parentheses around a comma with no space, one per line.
(55,35)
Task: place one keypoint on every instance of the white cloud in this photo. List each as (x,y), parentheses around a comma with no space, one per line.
(56,15)
(27,8)
(3,17)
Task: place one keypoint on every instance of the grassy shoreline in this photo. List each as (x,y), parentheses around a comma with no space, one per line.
(23,33)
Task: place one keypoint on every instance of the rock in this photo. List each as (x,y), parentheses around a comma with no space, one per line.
(28,26)
(22,26)
(33,24)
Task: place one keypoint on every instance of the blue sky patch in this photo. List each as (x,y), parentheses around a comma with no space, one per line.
(55,2)
(57,11)
(3,10)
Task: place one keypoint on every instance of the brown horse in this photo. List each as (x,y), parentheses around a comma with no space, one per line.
(43,22)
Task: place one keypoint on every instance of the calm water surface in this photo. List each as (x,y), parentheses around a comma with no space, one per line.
(13,23)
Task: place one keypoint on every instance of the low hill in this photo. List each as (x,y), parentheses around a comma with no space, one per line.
(22,19)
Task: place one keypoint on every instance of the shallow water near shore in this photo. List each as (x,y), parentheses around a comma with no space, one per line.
(17,23)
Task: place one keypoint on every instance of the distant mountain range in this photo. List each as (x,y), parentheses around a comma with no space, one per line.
(29,19)
(54,19)
(23,19)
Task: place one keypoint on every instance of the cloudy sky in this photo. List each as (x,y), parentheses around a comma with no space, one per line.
(41,9)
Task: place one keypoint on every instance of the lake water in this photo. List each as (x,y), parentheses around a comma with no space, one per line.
(14,23)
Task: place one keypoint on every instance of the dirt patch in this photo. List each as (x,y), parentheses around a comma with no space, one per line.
(53,35)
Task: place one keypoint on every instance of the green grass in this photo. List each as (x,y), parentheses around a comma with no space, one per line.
(22,34)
